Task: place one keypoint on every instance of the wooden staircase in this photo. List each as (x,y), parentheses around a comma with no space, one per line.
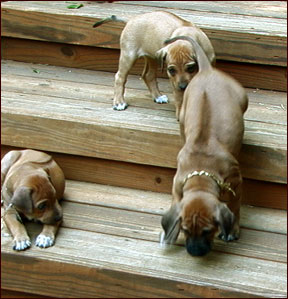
(57,84)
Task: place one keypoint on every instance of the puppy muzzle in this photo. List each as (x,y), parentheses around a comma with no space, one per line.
(182,86)
(198,246)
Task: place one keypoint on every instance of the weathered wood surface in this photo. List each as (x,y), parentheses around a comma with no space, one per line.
(236,37)
(63,112)
(13,294)
(108,247)
(270,9)
(157,179)
(101,59)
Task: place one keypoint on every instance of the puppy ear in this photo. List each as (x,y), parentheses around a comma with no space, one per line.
(161,56)
(22,199)
(225,218)
(171,223)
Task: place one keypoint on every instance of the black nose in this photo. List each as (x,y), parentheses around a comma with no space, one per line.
(182,85)
(198,246)
(58,217)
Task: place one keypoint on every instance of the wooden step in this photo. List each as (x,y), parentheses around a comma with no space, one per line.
(254,33)
(108,247)
(104,59)
(69,111)
(249,37)
(152,178)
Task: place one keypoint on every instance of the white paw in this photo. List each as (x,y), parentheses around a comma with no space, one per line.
(43,241)
(162,99)
(21,244)
(229,238)
(120,106)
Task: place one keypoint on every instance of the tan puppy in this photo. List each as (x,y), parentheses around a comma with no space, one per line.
(144,36)
(31,183)
(208,173)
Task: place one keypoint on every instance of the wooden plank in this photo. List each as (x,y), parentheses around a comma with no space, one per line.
(144,138)
(104,259)
(155,203)
(271,9)
(108,210)
(142,135)
(258,39)
(157,179)
(100,59)
(120,259)
(13,294)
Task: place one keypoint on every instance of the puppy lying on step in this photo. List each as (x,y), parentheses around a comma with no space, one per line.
(144,36)
(31,183)
(208,174)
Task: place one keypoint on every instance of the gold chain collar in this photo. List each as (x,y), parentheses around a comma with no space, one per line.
(223,186)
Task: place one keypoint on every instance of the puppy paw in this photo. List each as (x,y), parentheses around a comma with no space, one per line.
(229,238)
(161,100)
(43,241)
(21,243)
(120,106)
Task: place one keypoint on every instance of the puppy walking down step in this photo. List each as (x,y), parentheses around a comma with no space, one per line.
(31,185)
(144,36)
(207,184)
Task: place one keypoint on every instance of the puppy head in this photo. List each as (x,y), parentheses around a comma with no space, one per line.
(199,218)
(36,199)
(181,66)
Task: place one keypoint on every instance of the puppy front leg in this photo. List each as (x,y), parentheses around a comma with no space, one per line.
(21,239)
(125,64)
(149,77)
(234,205)
(47,237)
(178,99)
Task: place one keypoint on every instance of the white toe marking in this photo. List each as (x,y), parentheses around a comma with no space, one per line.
(162,99)
(21,245)
(44,241)
(120,107)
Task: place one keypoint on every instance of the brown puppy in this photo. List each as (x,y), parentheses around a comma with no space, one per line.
(144,36)
(31,183)
(208,174)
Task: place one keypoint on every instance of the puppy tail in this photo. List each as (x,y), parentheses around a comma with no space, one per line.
(202,59)
(112,18)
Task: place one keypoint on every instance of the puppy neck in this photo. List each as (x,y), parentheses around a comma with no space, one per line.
(201,183)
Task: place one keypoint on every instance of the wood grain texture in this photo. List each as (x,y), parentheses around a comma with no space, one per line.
(237,37)
(13,294)
(109,238)
(101,59)
(157,179)
(76,118)
(271,9)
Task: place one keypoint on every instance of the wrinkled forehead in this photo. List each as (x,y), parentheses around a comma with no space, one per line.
(197,216)
(180,52)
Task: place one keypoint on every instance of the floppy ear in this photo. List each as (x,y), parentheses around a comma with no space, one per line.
(171,223)
(22,199)
(225,218)
(161,56)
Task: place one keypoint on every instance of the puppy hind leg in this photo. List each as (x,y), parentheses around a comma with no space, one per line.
(149,76)
(125,64)
(7,161)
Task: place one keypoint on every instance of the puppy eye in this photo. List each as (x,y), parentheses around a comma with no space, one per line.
(42,206)
(191,68)
(172,71)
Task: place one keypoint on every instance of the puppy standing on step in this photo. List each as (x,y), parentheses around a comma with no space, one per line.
(31,183)
(144,36)
(208,174)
